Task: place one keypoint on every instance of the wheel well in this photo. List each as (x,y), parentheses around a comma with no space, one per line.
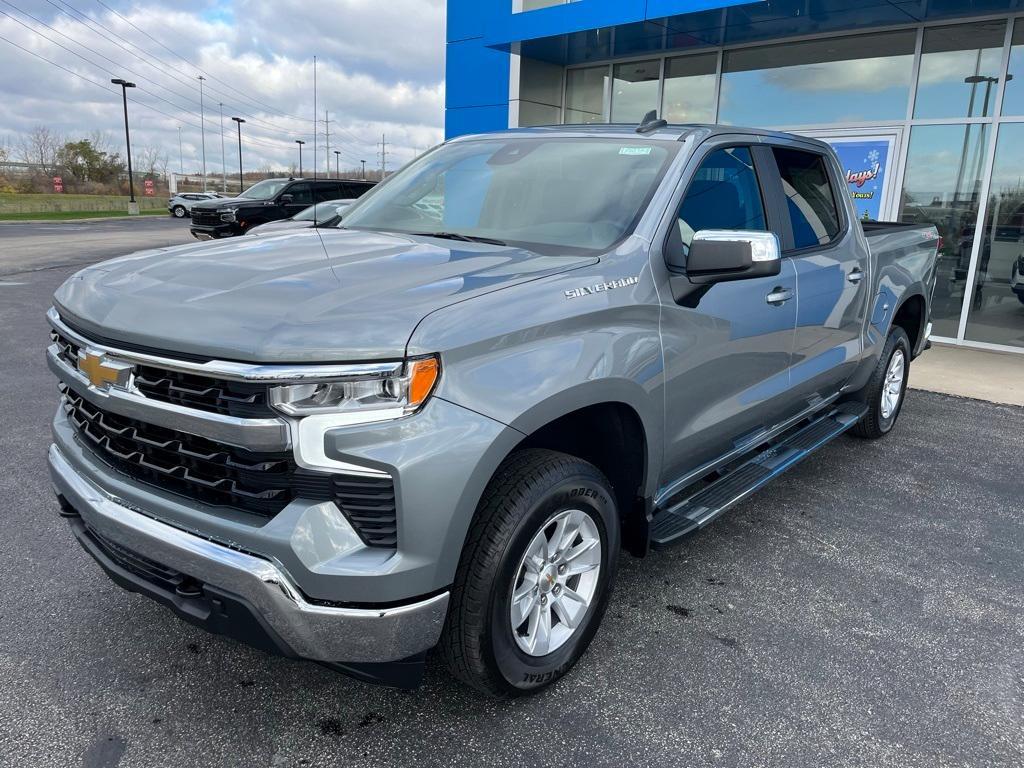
(910,317)
(611,437)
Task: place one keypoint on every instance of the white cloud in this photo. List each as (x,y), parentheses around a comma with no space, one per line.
(380,69)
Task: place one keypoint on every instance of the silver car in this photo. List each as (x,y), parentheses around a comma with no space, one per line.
(180,205)
(326,213)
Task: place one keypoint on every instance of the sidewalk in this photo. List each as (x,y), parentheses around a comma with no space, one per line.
(994,376)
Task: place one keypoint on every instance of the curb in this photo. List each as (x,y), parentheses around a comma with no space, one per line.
(79,221)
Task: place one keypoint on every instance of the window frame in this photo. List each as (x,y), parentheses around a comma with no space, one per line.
(831,173)
(763,169)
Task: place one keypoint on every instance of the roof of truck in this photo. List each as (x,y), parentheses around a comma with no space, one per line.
(625,131)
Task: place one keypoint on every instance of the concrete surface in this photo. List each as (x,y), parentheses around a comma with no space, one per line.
(994,376)
(866,609)
(27,246)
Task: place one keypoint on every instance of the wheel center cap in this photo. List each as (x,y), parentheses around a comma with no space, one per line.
(548,578)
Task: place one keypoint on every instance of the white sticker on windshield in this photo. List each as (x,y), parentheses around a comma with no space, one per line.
(635,151)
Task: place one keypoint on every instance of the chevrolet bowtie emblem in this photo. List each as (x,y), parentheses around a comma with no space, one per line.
(101,371)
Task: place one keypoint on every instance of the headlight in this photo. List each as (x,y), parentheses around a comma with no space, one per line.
(228,215)
(376,397)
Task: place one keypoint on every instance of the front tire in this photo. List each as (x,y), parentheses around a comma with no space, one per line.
(536,574)
(179,211)
(886,389)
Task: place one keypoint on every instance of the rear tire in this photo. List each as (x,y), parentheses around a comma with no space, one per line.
(535,576)
(179,211)
(886,389)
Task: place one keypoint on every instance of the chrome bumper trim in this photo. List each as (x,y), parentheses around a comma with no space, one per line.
(224,369)
(260,435)
(313,631)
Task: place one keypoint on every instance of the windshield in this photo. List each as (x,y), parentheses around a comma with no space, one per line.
(264,190)
(320,211)
(544,193)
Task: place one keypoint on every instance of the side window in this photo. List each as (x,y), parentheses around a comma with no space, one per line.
(809,197)
(301,194)
(324,192)
(724,194)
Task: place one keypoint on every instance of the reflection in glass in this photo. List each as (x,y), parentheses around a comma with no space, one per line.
(1013,100)
(689,89)
(996,314)
(635,90)
(960,70)
(849,79)
(942,187)
(584,95)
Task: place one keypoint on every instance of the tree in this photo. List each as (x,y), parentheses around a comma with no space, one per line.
(83,161)
(152,162)
(39,148)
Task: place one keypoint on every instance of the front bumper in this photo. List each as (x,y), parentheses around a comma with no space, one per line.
(215,231)
(221,576)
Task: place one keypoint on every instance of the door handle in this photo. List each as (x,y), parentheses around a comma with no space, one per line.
(779,296)
(856,275)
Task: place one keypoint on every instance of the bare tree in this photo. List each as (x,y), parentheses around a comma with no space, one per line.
(151,161)
(39,148)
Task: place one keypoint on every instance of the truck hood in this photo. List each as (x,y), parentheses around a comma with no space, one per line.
(291,297)
(219,202)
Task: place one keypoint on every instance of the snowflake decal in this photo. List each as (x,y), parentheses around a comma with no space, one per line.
(873,156)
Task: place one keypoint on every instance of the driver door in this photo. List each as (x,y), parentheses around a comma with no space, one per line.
(728,356)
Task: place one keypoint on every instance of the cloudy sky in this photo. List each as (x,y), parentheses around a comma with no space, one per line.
(380,70)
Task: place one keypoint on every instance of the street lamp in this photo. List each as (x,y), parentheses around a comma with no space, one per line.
(337,164)
(300,142)
(125,85)
(239,121)
(364,169)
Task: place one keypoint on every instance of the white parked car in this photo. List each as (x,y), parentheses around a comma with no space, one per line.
(180,205)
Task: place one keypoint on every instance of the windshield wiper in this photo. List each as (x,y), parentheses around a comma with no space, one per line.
(460,236)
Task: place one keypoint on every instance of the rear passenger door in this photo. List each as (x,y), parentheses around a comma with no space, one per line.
(831,272)
(727,357)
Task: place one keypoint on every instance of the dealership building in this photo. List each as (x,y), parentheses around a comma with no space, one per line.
(923,100)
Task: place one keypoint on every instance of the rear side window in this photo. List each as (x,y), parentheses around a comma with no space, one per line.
(724,194)
(324,192)
(352,191)
(809,197)
(301,194)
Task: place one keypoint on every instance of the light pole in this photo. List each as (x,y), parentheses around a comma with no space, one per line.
(181,155)
(364,169)
(300,142)
(202,128)
(223,164)
(337,164)
(239,121)
(133,207)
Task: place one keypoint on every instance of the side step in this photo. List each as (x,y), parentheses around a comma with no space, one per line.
(694,512)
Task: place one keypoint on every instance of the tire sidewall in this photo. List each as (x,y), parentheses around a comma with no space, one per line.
(520,672)
(178,211)
(898,341)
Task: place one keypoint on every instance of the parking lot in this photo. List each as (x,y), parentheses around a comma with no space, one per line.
(867,609)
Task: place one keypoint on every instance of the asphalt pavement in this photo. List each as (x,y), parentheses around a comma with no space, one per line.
(866,609)
(25,247)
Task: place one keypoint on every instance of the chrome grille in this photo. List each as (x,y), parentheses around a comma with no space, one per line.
(203,393)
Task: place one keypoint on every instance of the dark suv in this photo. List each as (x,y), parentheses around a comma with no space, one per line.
(268,200)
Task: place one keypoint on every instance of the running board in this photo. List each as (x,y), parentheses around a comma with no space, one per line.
(692,513)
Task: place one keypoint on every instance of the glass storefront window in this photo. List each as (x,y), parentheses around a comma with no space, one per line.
(960,70)
(689,95)
(635,90)
(996,313)
(1013,100)
(584,95)
(836,80)
(941,187)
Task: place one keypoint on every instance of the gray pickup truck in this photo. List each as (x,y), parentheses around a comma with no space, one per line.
(438,424)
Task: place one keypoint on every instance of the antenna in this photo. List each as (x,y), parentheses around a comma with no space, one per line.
(651,122)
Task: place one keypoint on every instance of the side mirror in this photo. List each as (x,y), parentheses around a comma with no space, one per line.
(285,199)
(718,256)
